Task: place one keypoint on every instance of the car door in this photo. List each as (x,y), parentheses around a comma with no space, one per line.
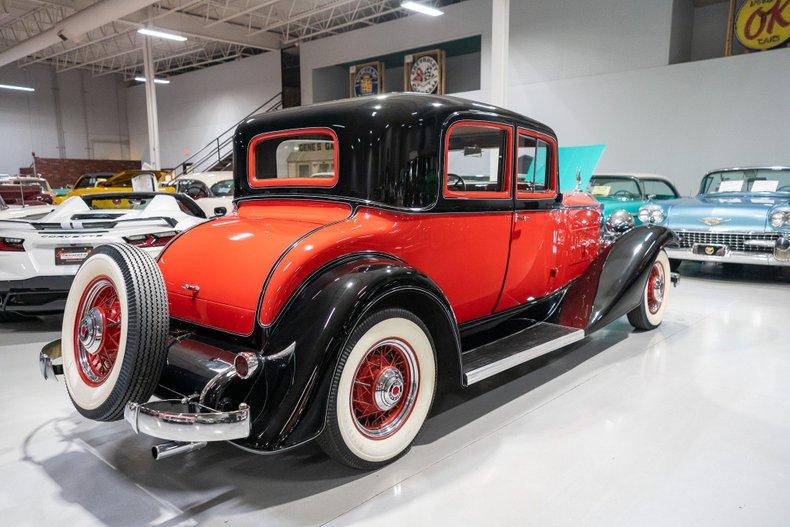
(532,263)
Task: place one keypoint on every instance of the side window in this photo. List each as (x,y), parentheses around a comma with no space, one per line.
(293,158)
(534,166)
(222,188)
(477,160)
(658,189)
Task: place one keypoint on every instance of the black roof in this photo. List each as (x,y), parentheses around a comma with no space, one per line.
(389,145)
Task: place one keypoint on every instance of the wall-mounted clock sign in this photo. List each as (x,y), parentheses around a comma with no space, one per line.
(424,72)
(366,79)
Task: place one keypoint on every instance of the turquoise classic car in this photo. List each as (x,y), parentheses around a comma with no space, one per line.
(629,192)
(740,216)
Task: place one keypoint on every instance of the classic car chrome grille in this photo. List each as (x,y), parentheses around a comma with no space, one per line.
(736,241)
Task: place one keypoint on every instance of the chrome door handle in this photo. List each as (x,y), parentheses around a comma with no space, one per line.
(522,217)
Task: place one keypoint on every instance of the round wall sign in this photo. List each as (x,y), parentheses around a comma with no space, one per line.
(366,81)
(763,24)
(424,75)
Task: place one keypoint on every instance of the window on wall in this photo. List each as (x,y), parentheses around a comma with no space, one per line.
(534,166)
(478,160)
(293,157)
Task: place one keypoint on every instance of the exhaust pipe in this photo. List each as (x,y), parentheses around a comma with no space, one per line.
(174,448)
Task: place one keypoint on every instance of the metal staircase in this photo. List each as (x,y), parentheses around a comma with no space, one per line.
(218,154)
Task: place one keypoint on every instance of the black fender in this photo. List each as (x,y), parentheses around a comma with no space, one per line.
(615,281)
(301,348)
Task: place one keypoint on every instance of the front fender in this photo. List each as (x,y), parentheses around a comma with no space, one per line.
(292,393)
(615,281)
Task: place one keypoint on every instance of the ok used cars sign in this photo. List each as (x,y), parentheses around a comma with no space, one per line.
(763,24)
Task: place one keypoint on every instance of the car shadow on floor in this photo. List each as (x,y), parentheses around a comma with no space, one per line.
(222,477)
(749,274)
(17,332)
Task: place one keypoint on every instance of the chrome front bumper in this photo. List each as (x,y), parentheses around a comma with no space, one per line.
(736,257)
(187,421)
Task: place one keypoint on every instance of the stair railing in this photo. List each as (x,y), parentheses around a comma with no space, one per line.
(218,154)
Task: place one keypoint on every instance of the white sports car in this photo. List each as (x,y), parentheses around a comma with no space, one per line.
(15,212)
(39,257)
(212,190)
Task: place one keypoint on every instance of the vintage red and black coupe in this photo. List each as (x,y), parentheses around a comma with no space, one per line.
(378,245)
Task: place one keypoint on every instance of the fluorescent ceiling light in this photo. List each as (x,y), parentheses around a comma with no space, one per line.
(422,8)
(161,34)
(156,81)
(16,88)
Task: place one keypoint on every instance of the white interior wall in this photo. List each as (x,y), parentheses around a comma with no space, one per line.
(561,39)
(93,122)
(197,106)
(680,120)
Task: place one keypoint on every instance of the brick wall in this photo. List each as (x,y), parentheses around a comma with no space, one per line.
(62,172)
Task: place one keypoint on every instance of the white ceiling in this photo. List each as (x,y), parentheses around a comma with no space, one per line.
(217,30)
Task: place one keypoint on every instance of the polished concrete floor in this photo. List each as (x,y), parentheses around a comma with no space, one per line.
(686,425)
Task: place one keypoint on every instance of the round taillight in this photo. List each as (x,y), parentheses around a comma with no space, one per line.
(246,363)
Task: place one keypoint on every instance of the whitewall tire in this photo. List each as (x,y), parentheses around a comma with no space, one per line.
(114,330)
(655,298)
(382,390)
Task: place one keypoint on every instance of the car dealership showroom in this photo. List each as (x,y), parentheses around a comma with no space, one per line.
(387,262)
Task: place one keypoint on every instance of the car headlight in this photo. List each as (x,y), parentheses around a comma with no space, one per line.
(779,218)
(651,214)
(620,221)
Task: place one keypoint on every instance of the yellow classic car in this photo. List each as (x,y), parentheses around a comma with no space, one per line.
(101,183)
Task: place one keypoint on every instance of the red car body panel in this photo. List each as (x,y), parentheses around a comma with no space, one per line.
(274,246)
(245,246)
(427,242)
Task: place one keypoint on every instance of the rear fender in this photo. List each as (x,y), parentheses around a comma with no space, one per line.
(315,325)
(614,282)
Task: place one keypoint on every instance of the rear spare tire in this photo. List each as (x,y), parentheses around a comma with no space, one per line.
(114,330)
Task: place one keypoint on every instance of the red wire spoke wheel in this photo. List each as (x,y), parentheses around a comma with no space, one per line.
(97,331)
(385,388)
(650,312)
(381,391)
(656,284)
(114,330)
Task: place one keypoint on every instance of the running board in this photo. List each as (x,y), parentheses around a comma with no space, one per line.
(495,357)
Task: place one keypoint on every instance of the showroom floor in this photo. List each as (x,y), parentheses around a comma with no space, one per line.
(689,424)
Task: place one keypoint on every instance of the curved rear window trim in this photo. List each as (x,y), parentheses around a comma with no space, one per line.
(291,182)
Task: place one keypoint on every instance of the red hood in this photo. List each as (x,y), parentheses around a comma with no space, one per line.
(228,259)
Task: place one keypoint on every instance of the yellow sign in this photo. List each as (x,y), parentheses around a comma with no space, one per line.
(763,24)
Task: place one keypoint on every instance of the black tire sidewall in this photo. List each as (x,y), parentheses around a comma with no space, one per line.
(145,350)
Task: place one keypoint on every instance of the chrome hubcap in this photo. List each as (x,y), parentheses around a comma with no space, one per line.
(389,389)
(385,388)
(91,330)
(658,289)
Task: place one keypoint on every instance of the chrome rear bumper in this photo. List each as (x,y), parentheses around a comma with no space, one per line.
(187,421)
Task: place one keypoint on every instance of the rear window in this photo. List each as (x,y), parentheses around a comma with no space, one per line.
(293,158)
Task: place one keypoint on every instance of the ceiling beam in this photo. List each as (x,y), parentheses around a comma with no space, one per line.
(304,14)
(345,24)
(247,11)
(192,26)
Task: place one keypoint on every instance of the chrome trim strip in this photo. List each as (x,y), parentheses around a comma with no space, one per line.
(50,353)
(161,419)
(511,361)
(730,257)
